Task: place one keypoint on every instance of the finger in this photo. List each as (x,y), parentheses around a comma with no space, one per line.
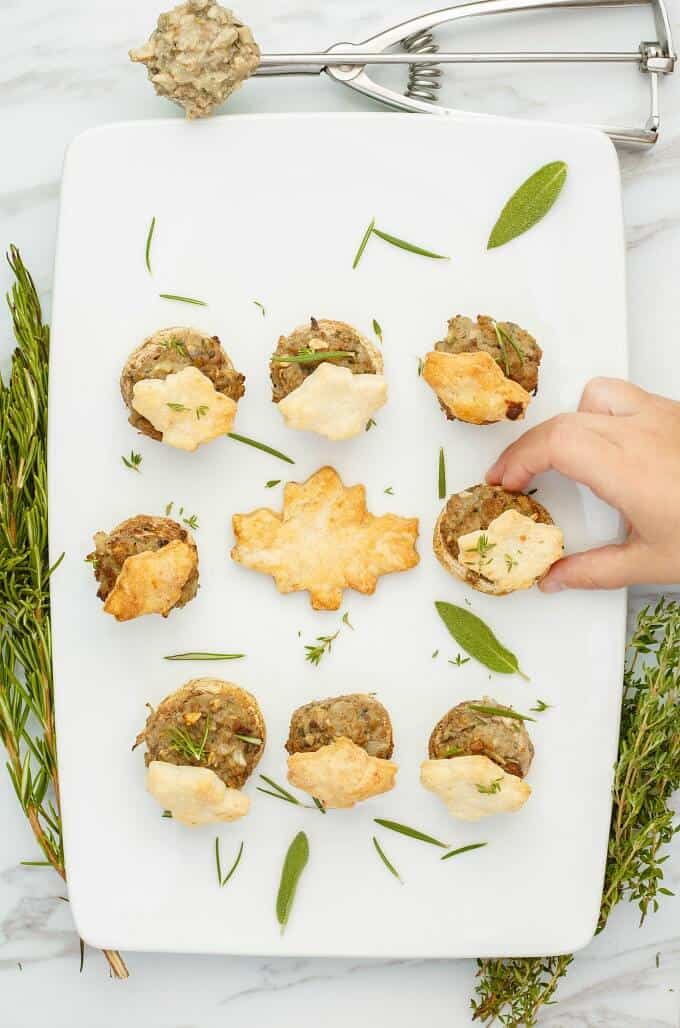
(566,445)
(612,396)
(609,567)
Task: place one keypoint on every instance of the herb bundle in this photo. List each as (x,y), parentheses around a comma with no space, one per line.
(26,688)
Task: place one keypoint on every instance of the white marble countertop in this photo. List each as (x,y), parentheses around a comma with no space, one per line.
(64,69)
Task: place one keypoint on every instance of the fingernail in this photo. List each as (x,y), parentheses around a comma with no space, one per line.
(552,585)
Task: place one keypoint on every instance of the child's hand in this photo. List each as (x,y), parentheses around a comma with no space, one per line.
(624,443)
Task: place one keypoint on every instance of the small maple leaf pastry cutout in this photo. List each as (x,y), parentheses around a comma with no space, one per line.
(325,540)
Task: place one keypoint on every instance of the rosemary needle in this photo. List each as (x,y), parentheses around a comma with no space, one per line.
(441,477)
(386,861)
(222,881)
(204,656)
(147,251)
(362,244)
(182,299)
(463,849)
(260,446)
(413,833)
(411,247)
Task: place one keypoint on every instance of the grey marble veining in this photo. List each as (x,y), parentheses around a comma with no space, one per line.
(63,69)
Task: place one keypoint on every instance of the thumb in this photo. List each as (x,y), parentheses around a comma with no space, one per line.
(609,567)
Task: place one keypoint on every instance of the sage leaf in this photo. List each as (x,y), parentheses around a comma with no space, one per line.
(293,866)
(477,639)
(529,203)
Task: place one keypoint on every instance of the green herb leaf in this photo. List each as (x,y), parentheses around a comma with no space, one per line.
(319,805)
(420,366)
(464,849)
(370,424)
(529,203)
(346,621)
(483,708)
(541,705)
(179,408)
(492,788)
(147,251)
(272,482)
(201,411)
(252,739)
(435,653)
(182,299)
(411,247)
(441,477)
(389,490)
(324,644)
(513,343)
(377,330)
(309,356)
(452,751)
(478,640)
(460,660)
(191,522)
(204,656)
(362,244)
(185,744)
(293,866)
(413,833)
(223,881)
(133,461)
(279,792)
(504,352)
(260,446)
(388,864)
(261,307)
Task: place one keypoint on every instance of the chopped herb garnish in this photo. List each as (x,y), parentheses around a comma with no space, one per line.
(218,863)
(147,251)
(272,482)
(179,408)
(491,788)
(464,849)
(260,446)
(377,330)
(261,307)
(481,708)
(460,660)
(441,475)
(541,705)
(175,344)
(184,744)
(388,864)
(252,739)
(510,562)
(324,644)
(413,833)
(182,299)
(133,461)
(481,548)
(201,411)
(362,244)
(191,522)
(452,751)
(293,866)
(204,656)
(389,491)
(370,424)
(309,356)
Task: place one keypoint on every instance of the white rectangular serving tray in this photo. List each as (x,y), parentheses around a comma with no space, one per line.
(272,208)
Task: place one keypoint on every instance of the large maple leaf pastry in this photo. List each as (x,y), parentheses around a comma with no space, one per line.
(325,540)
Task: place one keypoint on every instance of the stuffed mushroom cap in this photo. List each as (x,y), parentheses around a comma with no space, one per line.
(473,510)
(198,55)
(357,717)
(169,351)
(465,732)
(523,358)
(143,533)
(363,356)
(207,723)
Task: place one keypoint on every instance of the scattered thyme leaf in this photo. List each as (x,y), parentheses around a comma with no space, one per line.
(370,424)
(491,788)
(346,621)
(420,366)
(252,739)
(261,307)
(179,408)
(201,411)
(272,482)
(191,522)
(377,330)
(541,705)
(510,562)
(435,653)
(389,491)
(168,508)
(133,461)
(460,660)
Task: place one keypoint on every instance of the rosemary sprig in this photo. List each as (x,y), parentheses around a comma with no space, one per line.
(386,861)
(362,245)
(147,249)
(309,356)
(182,299)
(482,708)
(260,446)
(279,792)
(133,461)
(413,833)
(173,343)
(27,728)
(513,991)
(222,881)
(197,655)
(460,660)
(316,651)
(191,522)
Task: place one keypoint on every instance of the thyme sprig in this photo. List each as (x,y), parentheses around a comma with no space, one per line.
(223,879)
(133,461)
(27,728)
(314,652)
(647,773)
